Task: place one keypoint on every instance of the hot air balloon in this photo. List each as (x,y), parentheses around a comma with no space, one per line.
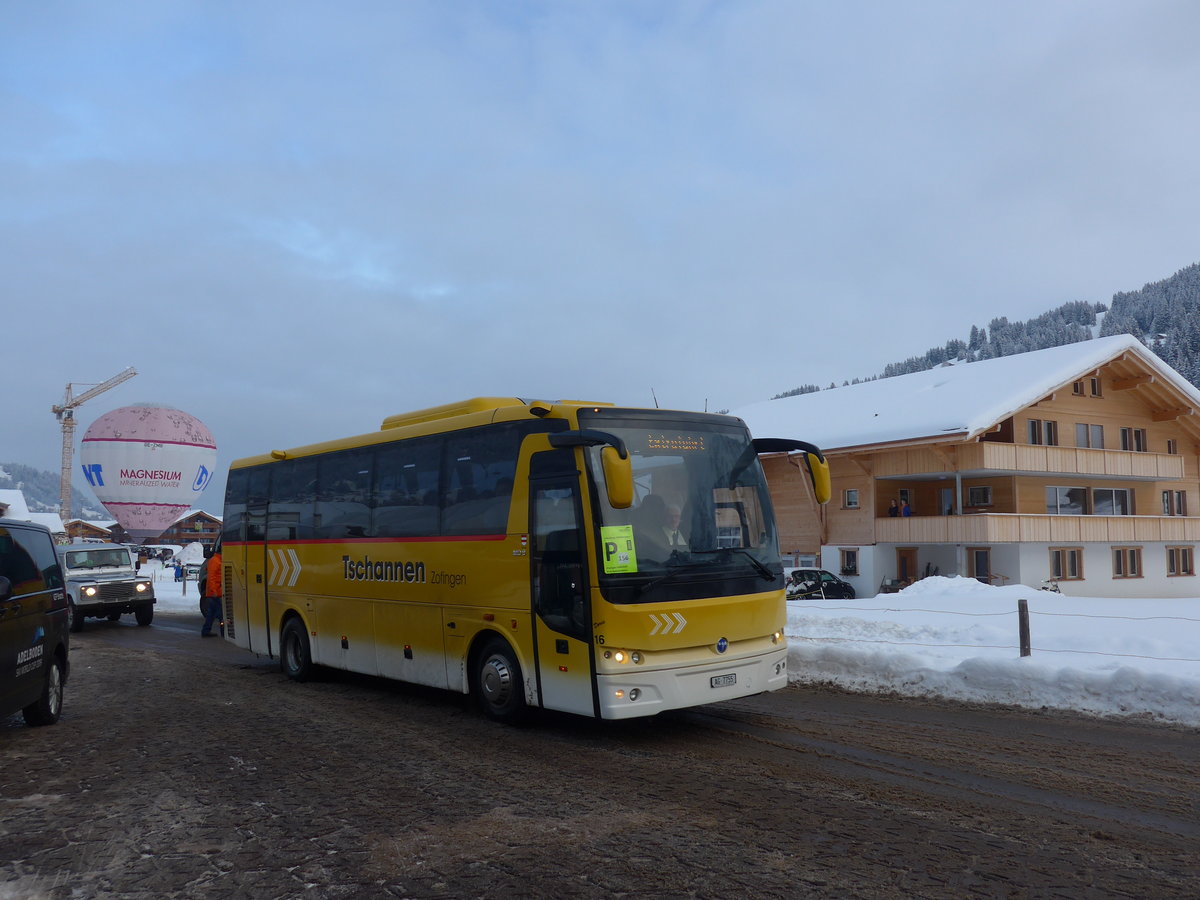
(148,465)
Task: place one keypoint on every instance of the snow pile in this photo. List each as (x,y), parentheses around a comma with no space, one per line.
(958,638)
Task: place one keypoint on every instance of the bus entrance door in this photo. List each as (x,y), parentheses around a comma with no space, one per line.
(559,584)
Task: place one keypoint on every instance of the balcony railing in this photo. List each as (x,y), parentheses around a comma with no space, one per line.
(999,528)
(997,457)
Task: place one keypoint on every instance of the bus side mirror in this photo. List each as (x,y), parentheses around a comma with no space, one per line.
(818,469)
(814,461)
(618,477)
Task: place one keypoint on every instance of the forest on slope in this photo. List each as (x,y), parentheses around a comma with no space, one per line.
(1164,315)
(41,491)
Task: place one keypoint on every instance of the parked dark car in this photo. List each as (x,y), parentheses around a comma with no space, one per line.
(34,630)
(807,584)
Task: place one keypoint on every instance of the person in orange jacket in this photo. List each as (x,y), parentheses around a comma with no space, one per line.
(212,593)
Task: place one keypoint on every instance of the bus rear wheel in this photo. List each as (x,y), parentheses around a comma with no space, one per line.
(499,688)
(295,655)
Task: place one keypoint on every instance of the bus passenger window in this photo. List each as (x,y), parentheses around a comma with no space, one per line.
(480,465)
(293,490)
(406,488)
(343,494)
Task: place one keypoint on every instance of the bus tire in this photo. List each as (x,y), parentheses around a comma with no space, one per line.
(47,708)
(499,687)
(295,655)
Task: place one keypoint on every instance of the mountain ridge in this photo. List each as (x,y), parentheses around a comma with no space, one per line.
(1164,315)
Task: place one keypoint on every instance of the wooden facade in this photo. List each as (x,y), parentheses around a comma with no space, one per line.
(79,529)
(197,525)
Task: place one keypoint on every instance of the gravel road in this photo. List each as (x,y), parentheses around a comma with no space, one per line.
(186,768)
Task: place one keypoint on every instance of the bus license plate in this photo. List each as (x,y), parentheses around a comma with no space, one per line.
(723,680)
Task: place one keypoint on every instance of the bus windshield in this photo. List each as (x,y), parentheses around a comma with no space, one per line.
(701,523)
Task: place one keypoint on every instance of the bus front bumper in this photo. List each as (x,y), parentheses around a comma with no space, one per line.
(644,693)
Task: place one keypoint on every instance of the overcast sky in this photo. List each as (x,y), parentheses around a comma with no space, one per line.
(295,219)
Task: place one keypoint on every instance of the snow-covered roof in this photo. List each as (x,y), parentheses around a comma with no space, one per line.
(14,503)
(14,506)
(195,510)
(955,401)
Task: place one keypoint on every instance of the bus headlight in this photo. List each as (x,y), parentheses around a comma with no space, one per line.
(624,656)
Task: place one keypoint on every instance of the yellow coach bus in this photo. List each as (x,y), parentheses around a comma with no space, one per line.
(565,556)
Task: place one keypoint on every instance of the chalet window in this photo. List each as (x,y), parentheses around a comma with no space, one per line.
(1066,501)
(1094,386)
(1180,561)
(979,496)
(1089,436)
(1127,562)
(1077,388)
(849,560)
(850,499)
(1066,563)
(1172,446)
(1043,432)
(1111,502)
(1174,503)
(1133,439)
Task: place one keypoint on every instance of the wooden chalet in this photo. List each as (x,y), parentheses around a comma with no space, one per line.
(1077,464)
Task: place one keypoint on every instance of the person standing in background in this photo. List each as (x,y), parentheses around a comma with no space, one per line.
(211,593)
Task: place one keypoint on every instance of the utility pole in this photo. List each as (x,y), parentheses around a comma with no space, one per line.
(66,415)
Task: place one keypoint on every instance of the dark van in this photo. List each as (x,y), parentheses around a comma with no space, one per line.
(34,627)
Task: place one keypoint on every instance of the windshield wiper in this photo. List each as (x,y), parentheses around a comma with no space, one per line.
(655,582)
(764,573)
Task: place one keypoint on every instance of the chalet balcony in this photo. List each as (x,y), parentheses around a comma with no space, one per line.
(1000,528)
(992,458)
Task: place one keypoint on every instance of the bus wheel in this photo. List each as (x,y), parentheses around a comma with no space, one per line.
(295,657)
(498,684)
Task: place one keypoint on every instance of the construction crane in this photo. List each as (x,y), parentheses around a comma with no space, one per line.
(66,415)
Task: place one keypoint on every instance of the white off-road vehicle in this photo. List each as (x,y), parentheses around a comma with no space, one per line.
(102,580)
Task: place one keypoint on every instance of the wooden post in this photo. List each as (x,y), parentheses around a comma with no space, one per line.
(1023,626)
